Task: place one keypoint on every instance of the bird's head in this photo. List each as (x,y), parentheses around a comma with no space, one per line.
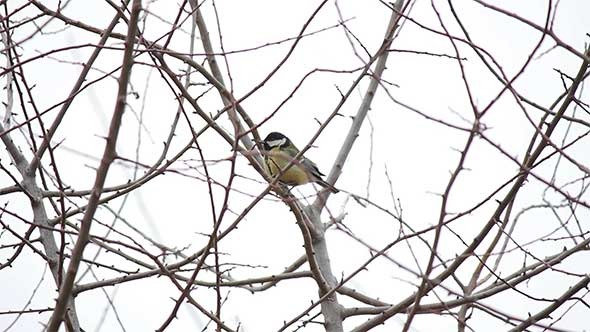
(275,139)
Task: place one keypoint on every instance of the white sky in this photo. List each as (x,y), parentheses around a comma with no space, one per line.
(417,154)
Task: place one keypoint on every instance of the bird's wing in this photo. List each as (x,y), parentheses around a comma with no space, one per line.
(311,167)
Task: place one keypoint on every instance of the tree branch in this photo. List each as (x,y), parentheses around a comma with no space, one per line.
(109,155)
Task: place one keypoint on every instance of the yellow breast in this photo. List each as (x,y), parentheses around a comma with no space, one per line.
(295,175)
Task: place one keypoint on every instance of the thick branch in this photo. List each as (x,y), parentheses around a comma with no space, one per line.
(101,174)
(381,57)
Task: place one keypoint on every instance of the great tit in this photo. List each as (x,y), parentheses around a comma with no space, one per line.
(279,151)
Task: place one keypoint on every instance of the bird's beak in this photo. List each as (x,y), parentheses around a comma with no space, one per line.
(259,144)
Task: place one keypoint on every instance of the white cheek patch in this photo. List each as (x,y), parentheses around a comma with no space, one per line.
(277,142)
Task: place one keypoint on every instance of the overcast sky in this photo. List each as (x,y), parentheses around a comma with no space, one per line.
(398,152)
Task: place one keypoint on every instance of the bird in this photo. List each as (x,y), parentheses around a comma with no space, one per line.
(279,151)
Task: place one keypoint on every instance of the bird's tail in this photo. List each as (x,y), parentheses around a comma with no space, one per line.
(326,185)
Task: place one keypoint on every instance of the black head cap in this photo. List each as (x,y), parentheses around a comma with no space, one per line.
(274,139)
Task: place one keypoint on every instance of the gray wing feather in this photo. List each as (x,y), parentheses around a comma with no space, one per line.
(312,168)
